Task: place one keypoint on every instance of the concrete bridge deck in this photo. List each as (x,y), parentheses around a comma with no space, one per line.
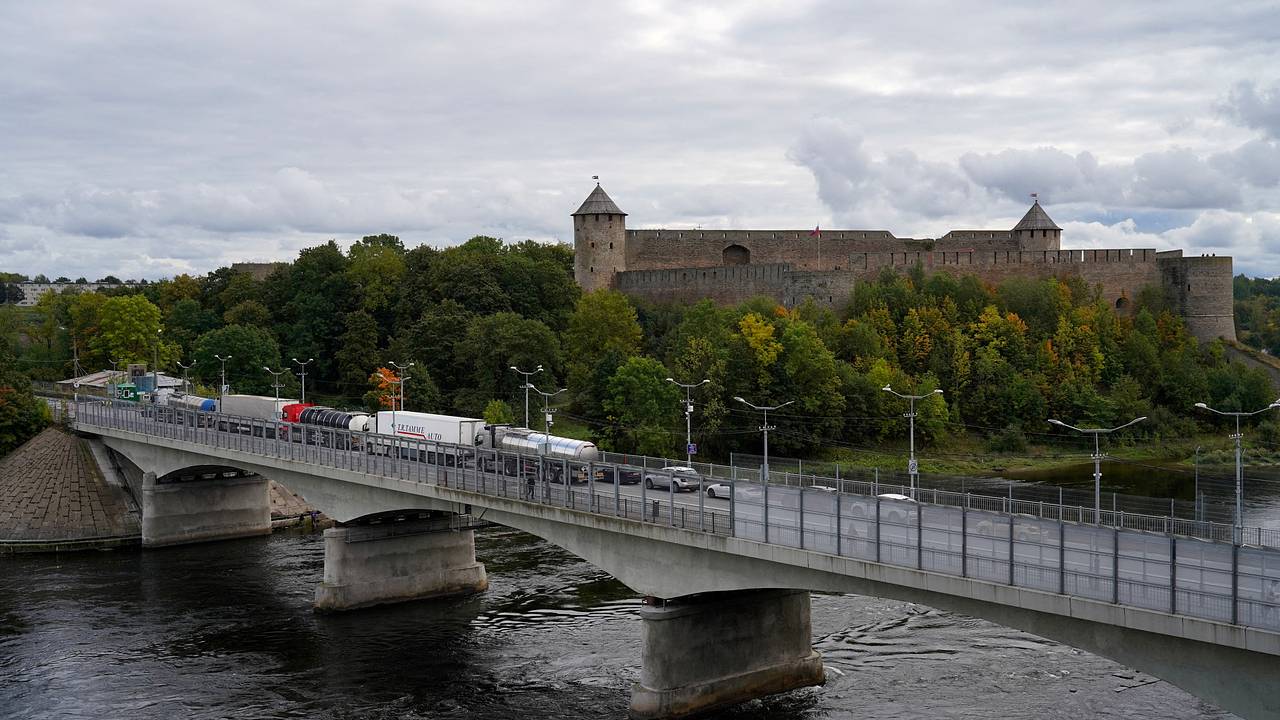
(1200,613)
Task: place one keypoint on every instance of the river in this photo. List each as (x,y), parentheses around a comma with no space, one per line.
(226,630)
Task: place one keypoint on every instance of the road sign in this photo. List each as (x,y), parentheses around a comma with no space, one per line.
(692,449)
(912,467)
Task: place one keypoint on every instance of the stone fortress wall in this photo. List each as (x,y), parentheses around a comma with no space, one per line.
(730,266)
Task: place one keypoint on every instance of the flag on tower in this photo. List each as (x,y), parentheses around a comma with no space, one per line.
(1035,196)
(816,232)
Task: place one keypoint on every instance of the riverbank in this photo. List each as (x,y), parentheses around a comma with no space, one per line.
(54,498)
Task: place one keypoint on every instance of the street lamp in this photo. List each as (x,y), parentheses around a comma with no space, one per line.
(399,382)
(186,386)
(1238,436)
(275,374)
(765,428)
(526,387)
(913,468)
(546,416)
(304,377)
(115,379)
(1097,458)
(688,415)
(222,389)
(155,369)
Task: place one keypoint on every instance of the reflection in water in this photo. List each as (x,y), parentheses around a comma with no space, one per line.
(226,630)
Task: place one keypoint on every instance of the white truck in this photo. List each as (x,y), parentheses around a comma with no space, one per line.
(428,428)
(258,407)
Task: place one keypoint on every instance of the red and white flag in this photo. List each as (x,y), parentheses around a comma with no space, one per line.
(816,232)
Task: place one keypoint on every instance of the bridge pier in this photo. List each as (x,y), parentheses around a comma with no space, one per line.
(399,561)
(202,510)
(707,651)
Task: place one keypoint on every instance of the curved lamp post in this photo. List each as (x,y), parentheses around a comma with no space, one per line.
(688,415)
(527,385)
(913,469)
(1097,457)
(765,428)
(1238,436)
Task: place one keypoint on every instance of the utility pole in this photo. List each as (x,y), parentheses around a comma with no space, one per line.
(913,468)
(304,377)
(399,382)
(527,385)
(546,417)
(1238,436)
(155,370)
(765,428)
(186,386)
(75,352)
(114,377)
(1196,513)
(688,415)
(275,375)
(1097,458)
(222,389)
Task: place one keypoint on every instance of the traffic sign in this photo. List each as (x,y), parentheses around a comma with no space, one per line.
(912,467)
(692,449)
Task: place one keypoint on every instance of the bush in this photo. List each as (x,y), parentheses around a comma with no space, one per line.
(1009,440)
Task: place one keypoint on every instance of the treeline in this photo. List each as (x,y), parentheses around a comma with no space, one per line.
(1007,357)
(1257,308)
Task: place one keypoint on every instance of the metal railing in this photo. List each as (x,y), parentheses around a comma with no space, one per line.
(1156,562)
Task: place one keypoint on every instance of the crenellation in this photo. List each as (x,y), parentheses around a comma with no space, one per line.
(730,266)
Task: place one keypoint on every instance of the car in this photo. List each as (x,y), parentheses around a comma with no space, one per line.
(895,496)
(678,476)
(626,475)
(719,490)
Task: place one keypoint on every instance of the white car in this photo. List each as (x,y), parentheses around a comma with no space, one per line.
(895,496)
(719,490)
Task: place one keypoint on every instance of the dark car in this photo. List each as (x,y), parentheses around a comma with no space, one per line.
(626,475)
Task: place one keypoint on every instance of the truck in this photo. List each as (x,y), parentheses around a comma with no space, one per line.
(257,407)
(552,448)
(428,427)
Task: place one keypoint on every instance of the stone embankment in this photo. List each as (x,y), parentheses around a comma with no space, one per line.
(53,497)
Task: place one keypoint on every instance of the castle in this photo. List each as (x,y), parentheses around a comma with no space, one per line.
(730,266)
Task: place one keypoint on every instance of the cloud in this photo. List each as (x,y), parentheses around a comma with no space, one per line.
(1254,108)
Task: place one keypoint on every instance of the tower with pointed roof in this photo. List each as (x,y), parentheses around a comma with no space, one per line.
(1037,231)
(599,241)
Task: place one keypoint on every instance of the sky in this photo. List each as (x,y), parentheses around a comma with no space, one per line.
(148,139)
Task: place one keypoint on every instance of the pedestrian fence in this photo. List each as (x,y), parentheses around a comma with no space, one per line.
(1162,563)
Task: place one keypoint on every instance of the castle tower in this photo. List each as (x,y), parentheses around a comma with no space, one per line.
(1036,231)
(599,241)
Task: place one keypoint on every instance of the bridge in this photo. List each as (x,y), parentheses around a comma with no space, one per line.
(726,580)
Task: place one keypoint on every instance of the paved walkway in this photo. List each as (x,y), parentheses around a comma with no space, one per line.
(51,491)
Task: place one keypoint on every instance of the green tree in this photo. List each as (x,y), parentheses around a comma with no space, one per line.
(493,344)
(22,414)
(357,358)
(643,407)
(602,323)
(250,348)
(129,331)
(499,412)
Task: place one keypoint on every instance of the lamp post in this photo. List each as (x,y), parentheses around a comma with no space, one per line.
(1238,436)
(913,468)
(155,369)
(546,416)
(527,385)
(222,389)
(1197,485)
(75,352)
(186,386)
(688,415)
(764,428)
(275,375)
(400,379)
(304,377)
(1097,458)
(114,376)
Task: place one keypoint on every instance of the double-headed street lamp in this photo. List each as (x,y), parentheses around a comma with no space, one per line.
(275,374)
(304,377)
(400,381)
(688,415)
(913,468)
(1238,436)
(527,385)
(1097,457)
(546,416)
(186,385)
(222,389)
(764,427)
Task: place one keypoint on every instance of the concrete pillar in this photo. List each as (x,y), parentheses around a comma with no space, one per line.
(718,649)
(191,511)
(398,561)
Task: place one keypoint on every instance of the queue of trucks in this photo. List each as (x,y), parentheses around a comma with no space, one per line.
(290,420)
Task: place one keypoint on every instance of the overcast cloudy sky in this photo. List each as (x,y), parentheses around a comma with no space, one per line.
(146,139)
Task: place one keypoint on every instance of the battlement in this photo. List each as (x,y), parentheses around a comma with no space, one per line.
(871,261)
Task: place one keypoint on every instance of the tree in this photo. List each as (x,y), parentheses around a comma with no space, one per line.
(359,348)
(129,331)
(642,408)
(602,323)
(12,294)
(491,346)
(187,321)
(499,412)
(110,280)
(250,349)
(249,312)
(376,267)
(41,278)
(63,279)
(22,414)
